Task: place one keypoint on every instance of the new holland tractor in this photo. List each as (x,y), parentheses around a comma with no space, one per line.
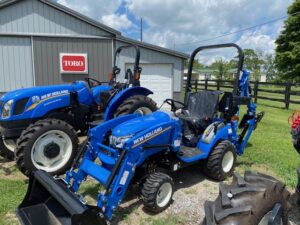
(39,125)
(145,149)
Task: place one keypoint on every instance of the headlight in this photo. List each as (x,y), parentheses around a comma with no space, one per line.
(118,142)
(6,110)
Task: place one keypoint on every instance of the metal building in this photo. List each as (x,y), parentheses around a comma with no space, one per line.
(35,33)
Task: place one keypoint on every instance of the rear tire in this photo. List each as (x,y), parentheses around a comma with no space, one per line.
(49,145)
(296,143)
(7,148)
(157,192)
(221,162)
(136,104)
(246,201)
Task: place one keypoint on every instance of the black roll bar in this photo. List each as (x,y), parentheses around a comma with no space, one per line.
(226,45)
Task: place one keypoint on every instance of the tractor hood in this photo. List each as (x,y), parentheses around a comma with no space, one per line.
(139,124)
(42,91)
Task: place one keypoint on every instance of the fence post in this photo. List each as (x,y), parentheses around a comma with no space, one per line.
(196,85)
(218,84)
(256,91)
(287,95)
(206,81)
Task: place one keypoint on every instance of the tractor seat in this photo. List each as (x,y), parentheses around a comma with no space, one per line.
(201,108)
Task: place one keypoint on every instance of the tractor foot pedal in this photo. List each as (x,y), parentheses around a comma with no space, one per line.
(189,152)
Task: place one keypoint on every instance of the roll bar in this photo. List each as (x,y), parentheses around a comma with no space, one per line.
(226,45)
(137,55)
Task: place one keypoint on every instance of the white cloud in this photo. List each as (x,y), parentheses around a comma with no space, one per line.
(119,22)
(172,23)
(257,41)
(92,8)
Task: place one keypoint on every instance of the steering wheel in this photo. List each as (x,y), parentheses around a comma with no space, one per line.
(174,104)
(92,82)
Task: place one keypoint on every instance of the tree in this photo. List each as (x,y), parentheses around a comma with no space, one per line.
(287,58)
(221,67)
(196,64)
(253,62)
(269,67)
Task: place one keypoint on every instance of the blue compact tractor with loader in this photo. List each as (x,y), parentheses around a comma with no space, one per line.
(146,150)
(39,125)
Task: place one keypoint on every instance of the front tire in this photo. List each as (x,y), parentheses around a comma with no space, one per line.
(7,148)
(247,200)
(48,145)
(157,192)
(136,104)
(221,162)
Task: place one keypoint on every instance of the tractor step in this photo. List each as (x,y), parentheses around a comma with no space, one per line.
(96,171)
(189,154)
(49,201)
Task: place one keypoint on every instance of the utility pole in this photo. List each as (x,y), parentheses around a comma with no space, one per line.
(141,29)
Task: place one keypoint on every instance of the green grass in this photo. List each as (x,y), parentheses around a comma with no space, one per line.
(12,192)
(270,145)
(168,220)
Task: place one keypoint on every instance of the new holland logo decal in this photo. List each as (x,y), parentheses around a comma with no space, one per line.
(148,136)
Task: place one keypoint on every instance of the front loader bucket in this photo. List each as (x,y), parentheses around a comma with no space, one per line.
(50,202)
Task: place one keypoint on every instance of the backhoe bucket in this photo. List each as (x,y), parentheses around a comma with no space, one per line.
(49,201)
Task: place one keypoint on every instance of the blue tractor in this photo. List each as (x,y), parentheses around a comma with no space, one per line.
(145,149)
(39,125)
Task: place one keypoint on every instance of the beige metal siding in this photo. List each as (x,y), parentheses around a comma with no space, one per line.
(15,63)
(46,58)
(32,16)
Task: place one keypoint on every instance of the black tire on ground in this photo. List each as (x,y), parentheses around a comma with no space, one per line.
(247,200)
(152,188)
(134,103)
(29,136)
(296,143)
(213,165)
(6,152)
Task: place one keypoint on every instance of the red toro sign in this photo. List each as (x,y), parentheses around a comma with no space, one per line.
(73,63)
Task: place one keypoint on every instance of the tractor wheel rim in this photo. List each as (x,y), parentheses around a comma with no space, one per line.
(227,161)
(143,111)
(10,144)
(164,195)
(59,160)
(265,219)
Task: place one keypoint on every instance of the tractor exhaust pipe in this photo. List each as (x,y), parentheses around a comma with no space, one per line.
(49,201)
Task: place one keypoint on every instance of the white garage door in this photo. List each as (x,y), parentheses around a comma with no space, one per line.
(157,78)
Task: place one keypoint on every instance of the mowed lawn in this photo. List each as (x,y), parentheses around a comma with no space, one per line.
(269,150)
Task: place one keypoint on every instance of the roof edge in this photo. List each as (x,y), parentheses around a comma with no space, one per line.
(80,16)
(153,47)
(68,11)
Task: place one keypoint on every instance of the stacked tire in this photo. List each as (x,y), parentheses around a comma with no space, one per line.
(248,200)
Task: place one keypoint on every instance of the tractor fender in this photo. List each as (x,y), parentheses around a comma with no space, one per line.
(221,134)
(120,97)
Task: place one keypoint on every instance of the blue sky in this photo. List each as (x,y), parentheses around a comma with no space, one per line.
(183,25)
